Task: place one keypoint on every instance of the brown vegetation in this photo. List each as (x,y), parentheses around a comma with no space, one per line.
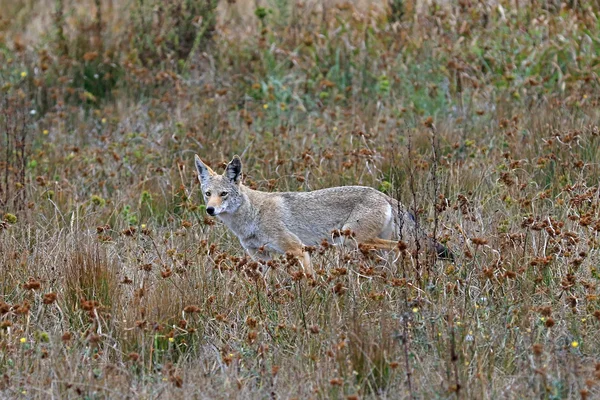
(484,119)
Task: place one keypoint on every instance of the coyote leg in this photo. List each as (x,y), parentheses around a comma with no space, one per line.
(259,255)
(297,250)
(304,258)
(306,264)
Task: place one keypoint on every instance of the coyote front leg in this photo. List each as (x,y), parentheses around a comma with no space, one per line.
(259,255)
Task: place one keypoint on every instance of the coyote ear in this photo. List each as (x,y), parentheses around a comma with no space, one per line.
(204,171)
(233,172)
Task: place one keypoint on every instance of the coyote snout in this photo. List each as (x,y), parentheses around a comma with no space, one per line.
(287,222)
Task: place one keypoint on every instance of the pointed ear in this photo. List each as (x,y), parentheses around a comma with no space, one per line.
(204,171)
(233,172)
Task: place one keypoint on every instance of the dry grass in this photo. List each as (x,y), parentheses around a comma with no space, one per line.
(116,284)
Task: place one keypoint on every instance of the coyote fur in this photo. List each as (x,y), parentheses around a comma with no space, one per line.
(287,222)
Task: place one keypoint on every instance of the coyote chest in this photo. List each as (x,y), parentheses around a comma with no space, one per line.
(247,231)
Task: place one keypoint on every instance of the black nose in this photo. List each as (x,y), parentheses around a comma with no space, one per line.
(210,210)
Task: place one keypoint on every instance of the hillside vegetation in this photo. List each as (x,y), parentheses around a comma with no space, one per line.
(481,117)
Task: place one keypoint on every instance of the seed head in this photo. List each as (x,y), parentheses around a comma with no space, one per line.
(49,298)
(191,309)
(32,284)
(479,241)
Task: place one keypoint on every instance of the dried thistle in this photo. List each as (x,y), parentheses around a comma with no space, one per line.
(32,284)
(49,298)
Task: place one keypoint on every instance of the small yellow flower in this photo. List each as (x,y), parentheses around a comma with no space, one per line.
(144,227)
(458,323)
(335,128)
(23,340)
(574,344)
(171,340)
(265,106)
(23,74)
(583,319)
(415,310)
(103,120)
(45,131)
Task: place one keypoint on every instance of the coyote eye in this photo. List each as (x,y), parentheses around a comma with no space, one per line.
(207,194)
(224,194)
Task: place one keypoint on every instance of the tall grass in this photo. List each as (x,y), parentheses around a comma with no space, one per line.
(482,119)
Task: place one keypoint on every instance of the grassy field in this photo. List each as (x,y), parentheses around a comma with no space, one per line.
(482,118)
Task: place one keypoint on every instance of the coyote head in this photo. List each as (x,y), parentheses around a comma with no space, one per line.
(221,192)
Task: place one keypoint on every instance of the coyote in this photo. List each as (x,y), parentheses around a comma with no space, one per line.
(288,222)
